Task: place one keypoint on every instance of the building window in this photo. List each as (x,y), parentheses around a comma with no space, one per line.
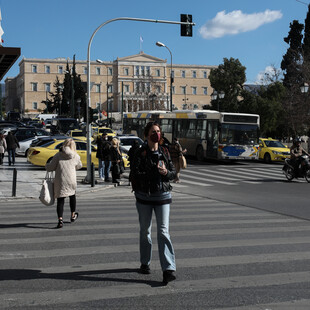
(60,69)
(173,89)
(97,70)
(194,90)
(47,69)
(137,87)
(126,88)
(98,88)
(157,72)
(194,74)
(34,105)
(148,87)
(34,68)
(34,86)
(205,74)
(205,90)
(158,89)
(183,73)
(47,87)
(183,90)
(172,73)
(137,71)
(110,71)
(142,71)
(110,89)
(148,71)
(126,71)
(98,107)
(85,70)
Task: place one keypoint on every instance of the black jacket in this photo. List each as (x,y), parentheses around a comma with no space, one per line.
(103,149)
(144,174)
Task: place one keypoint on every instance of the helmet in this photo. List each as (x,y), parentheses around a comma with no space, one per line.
(297,140)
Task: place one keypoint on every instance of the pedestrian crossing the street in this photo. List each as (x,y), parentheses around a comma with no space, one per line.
(212,175)
(228,256)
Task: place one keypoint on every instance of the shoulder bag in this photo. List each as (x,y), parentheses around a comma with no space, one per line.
(47,190)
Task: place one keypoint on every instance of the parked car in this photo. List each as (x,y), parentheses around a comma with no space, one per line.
(272,150)
(25,133)
(77,133)
(25,145)
(126,141)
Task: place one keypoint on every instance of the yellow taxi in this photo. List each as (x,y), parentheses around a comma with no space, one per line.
(100,130)
(41,155)
(272,150)
(77,133)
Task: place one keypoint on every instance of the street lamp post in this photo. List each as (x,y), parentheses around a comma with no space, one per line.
(216,96)
(79,108)
(88,125)
(171,76)
(101,62)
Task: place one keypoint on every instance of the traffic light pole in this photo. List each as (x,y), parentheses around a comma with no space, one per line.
(88,124)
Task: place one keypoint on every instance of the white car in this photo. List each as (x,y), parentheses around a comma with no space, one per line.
(25,145)
(126,141)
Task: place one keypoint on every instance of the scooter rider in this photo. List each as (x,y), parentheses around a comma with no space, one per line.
(296,152)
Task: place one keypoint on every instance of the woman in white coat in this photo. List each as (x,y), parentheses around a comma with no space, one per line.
(65,163)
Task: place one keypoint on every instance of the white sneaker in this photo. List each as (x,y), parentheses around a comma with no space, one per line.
(102,179)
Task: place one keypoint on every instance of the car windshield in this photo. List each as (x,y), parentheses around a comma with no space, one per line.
(274,144)
(130,141)
(77,134)
(105,130)
(45,144)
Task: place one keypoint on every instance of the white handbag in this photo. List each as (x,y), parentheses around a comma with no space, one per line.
(47,190)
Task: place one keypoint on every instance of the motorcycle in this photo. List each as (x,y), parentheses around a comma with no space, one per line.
(303,169)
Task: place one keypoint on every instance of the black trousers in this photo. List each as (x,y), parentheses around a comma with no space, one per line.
(61,203)
(1,158)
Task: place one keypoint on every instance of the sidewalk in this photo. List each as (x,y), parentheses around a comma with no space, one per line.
(29,180)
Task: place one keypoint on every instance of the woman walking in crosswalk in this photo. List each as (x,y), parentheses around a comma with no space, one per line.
(151,173)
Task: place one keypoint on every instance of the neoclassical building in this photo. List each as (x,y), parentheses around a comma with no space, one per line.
(141,82)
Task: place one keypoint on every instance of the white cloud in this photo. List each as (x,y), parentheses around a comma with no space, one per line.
(236,22)
(271,73)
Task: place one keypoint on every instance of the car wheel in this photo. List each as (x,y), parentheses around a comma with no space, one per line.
(199,153)
(49,160)
(26,153)
(267,158)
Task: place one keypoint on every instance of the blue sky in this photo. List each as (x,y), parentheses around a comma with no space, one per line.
(250,30)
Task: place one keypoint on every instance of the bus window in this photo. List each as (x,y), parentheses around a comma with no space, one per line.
(201,130)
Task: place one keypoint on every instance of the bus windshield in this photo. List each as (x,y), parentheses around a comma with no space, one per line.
(239,134)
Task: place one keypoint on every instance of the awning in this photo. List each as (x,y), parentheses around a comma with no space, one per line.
(8,56)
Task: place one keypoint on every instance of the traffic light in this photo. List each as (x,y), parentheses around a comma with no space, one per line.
(186,30)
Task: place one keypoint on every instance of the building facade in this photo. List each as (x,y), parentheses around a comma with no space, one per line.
(132,83)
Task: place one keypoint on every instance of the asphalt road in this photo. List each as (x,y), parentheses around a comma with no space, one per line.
(239,246)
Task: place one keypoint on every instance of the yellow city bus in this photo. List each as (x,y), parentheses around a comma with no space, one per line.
(204,133)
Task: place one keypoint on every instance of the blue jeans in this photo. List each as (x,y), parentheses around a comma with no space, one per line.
(11,156)
(165,248)
(104,168)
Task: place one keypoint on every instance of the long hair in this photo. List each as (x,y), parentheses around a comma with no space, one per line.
(115,143)
(70,143)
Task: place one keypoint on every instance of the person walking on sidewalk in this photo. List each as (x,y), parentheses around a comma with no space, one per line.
(2,147)
(176,153)
(150,176)
(116,158)
(65,163)
(12,144)
(104,157)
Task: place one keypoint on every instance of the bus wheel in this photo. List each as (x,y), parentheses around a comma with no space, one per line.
(199,153)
